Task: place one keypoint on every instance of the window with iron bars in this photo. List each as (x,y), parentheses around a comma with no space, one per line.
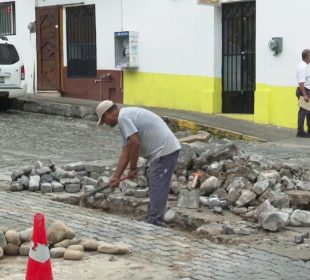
(81,41)
(7,18)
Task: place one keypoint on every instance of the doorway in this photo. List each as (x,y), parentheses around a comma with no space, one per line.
(48,48)
(238,57)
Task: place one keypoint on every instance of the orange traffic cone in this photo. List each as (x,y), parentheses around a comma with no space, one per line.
(39,263)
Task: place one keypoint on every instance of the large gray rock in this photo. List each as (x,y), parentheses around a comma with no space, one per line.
(274,221)
(24,249)
(58,231)
(12,236)
(67,181)
(24,180)
(233,196)
(57,187)
(76,247)
(25,235)
(264,207)
(72,188)
(76,166)
(46,188)
(260,186)
(170,216)
(222,152)
(189,198)
(64,243)
(34,183)
(90,244)
(116,248)
(3,241)
(11,250)
(246,197)
(89,181)
(186,158)
(57,252)
(279,200)
(238,183)
(272,176)
(43,170)
(20,172)
(16,186)
(128,184)
(300,218)
(299,199)
(210,185)
(73,255)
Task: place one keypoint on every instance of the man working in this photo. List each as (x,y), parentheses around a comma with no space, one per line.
(146,134)
(303,89)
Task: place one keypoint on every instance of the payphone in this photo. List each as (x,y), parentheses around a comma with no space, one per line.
(126,49)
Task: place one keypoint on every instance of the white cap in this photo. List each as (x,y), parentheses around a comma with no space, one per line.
(102,108)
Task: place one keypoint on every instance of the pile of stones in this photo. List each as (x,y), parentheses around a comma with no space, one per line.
(271,194)
(72,178)
(62,240)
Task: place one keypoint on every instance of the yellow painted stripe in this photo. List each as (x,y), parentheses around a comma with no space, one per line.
(276,105)
(192,93)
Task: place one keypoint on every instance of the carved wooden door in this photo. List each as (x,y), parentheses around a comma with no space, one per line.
(48,48)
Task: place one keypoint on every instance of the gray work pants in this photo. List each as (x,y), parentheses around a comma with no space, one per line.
(159,178)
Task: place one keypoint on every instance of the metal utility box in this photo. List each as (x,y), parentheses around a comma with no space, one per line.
(126,49)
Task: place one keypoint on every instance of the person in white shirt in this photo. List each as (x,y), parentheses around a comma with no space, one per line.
(303,89)
(144,133)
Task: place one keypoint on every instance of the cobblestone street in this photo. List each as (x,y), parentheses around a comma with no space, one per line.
(198,259)
(28,137)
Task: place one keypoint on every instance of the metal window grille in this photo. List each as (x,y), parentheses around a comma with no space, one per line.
(7,18)
(81,41)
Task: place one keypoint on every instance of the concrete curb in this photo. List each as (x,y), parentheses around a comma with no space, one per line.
(179,124)
(86,112)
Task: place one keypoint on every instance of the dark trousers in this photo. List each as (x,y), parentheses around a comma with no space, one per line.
(303,113)
(159,177)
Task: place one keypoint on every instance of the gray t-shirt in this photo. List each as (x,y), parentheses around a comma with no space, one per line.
(156,139)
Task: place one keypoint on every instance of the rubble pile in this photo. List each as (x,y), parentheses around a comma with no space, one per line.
(214,174)
(62,240)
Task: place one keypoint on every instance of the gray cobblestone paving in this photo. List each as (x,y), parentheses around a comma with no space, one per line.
(195,259)
(27,137)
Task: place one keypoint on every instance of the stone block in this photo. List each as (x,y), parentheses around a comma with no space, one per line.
(189,198)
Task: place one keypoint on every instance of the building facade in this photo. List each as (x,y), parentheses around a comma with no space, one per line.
(209,56)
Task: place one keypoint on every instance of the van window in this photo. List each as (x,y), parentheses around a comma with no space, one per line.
(8,54)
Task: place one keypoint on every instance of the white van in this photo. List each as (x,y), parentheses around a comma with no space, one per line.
(12,74)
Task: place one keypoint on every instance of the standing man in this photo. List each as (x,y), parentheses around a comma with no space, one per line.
(146,134)
(303,89)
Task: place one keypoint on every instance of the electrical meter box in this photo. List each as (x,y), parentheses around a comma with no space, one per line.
(126,49)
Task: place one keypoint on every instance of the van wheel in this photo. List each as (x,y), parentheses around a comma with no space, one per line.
(5,103)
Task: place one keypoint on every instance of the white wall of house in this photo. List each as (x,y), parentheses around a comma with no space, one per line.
(25,41)
(287,19)
(175,37)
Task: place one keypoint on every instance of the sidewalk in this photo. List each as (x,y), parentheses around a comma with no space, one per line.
(214,123)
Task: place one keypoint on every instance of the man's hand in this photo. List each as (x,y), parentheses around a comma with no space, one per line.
(306,98)
(114,182)
(132,174)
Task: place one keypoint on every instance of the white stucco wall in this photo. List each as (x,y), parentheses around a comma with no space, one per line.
(287,19)
(175,36)
(25,41)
